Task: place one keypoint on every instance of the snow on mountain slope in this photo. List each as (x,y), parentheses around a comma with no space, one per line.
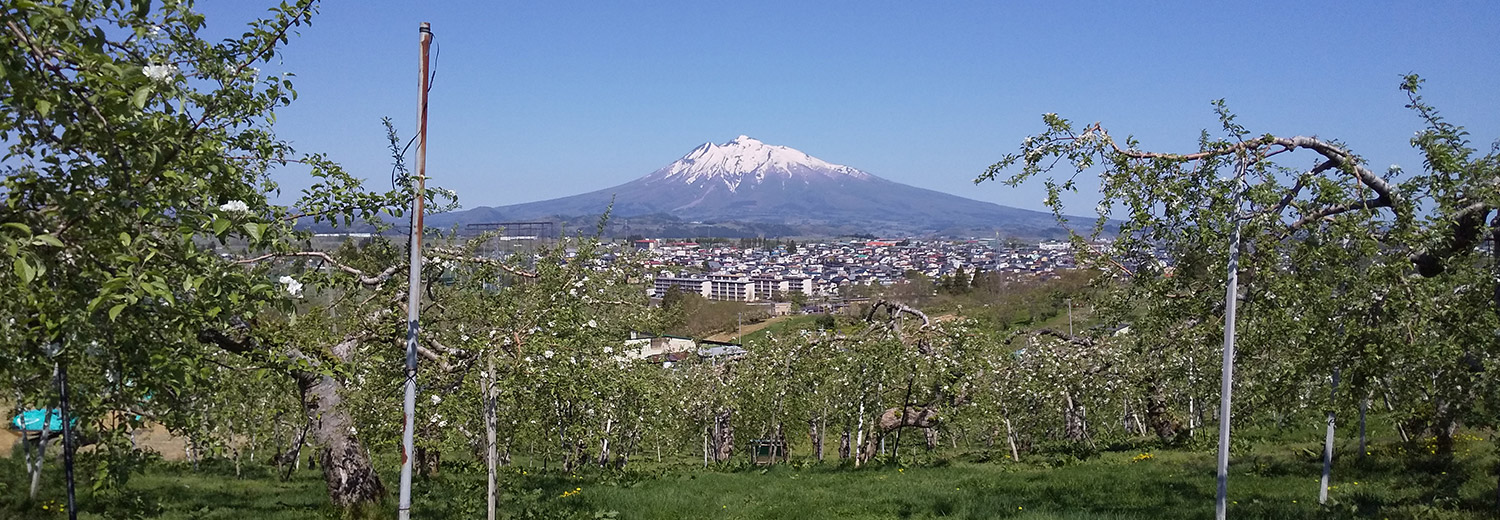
(746,159)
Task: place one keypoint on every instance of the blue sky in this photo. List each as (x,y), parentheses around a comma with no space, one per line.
(536,100)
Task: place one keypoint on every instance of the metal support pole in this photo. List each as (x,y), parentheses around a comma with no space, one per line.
(1070,316)
(69,445)
(1226,385)
(1333,393)
(414,284)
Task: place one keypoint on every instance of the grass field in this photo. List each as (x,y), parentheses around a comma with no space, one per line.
(1271,482)
(778,326)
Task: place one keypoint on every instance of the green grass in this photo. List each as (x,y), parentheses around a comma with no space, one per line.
(1272,481)
(793,323)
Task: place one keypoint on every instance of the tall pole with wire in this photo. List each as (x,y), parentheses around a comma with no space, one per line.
(1226,388)
(414,282)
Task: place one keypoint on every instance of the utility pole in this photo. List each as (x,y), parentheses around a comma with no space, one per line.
(414,281)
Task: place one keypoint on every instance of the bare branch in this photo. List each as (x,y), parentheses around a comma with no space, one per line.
(364,278)
(1296,189)
(450,254)
(1329,211)
(894,308)
(435,358)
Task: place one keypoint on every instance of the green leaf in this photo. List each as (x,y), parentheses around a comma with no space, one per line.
(220,225)
(114,312)
(254,230)
(23,228)
(141,94)
(125,239)
(24,269)
(116,283)
(43,106)
(46,240)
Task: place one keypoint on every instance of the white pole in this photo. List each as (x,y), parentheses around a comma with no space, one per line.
(1226,385)
(1328,441)
(414,284)
(491,458)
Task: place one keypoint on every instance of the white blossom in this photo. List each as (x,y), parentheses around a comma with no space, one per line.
(293,287)
(159,72)
(235,206)
(609,350)
(548,354)
(436,399)
(591,324)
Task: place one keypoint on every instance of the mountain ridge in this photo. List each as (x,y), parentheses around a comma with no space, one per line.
(756,185)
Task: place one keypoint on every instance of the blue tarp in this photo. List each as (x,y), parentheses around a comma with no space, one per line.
(31,420)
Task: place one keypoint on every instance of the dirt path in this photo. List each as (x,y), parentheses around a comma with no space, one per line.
(749,328)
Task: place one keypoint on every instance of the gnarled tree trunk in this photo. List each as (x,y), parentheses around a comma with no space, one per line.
(1159,417)
(723,438)
(351,479)
(1074,428)
(894,419)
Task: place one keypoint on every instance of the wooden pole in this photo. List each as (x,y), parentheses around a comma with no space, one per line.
(414,283)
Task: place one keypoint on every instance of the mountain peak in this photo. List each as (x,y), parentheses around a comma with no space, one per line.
(746,159)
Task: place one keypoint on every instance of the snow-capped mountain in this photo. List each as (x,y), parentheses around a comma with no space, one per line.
(746,159)
(774,190)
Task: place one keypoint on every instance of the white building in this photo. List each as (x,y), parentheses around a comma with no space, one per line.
(666,281)
(727,287)
(768,285)
(731,287)
(644,347)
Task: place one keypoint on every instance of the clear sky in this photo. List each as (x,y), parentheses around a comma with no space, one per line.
(543,99)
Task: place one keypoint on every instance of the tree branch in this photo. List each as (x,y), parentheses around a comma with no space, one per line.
(1386,197)
(1465,233)
(365,279)
(450,254)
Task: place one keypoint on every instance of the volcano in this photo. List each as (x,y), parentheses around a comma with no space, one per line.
(773,191)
